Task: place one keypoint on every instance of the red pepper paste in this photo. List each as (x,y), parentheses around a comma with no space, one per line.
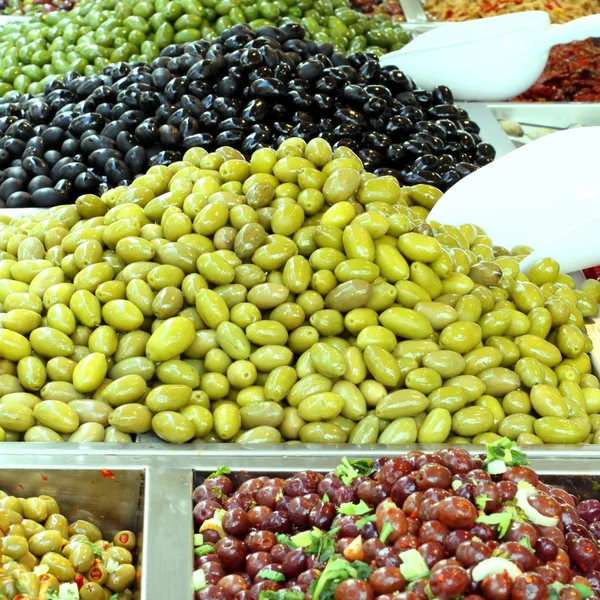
(571,75)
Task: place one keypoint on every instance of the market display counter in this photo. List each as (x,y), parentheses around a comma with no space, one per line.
(149,490)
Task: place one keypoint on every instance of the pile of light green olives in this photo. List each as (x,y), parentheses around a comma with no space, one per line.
(292,297)
(41,551)
(100,32)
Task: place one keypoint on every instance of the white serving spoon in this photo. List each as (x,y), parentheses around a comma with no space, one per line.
(545,195)
(490,59)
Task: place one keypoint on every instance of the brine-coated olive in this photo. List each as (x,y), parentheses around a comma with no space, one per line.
(233,320)
(42,552)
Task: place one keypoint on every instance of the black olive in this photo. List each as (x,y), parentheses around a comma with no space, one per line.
(147,132)
(164,111)
(199,140)
(435,144)
(349,130)
(14,146)
(125,141)
(465,168)
(9,187)
(395,154)
(29,151)
(302,117)
(19,200)
(86,182)
(443,111)
(47,197)
(69,147)
(209,119)
(427,162)
(116,171)
(94,142)
(189,126)
(35,166)
(4,158)
(485,150)
(469,125)
(377,141)
(136,159)
(371,158)
(99,158)
(166,157)
(87,122)
(449,178)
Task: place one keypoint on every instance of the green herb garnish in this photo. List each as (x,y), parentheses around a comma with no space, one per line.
(524,541)
(386,531)
(204,550)
(482,500)
(584,590)
(57,551)
(270,574)
(285,540)
(336,571)
(502,519)
(281,595)
(97,552)
(347,508)
(368,519)
(325,498)
(52,594)
(349,470)
(505,450)
(220,471)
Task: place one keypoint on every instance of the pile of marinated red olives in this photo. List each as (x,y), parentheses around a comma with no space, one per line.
(415,527)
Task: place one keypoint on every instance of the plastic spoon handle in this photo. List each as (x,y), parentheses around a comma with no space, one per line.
(579,29)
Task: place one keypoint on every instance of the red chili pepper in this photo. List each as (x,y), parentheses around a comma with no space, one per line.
(44,478)
(79,580)
(138,575)
(108,474)
(20,487)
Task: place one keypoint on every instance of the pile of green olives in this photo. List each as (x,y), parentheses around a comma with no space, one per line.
(97,33)
(41,552)
(292,297)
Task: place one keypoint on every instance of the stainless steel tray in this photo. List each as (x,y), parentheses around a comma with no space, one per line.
(151,489)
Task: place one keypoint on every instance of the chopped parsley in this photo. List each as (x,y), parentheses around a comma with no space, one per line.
(386,531)
(285,540)
(325,498)
(279,495)
(524,541)
(347,508)
(115,596)
(584,590)
(282,595)
(323,546)
(482,500)
(505,450)
(97,552)
(336,571)
(52,594)
(19,587)
(204,550)
(349,470)
(368,519)
(220,471)
(555,588)
(270,574)
(57,551)
(502,519)
(595,486)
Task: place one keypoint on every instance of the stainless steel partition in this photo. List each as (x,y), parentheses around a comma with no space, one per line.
(148,488)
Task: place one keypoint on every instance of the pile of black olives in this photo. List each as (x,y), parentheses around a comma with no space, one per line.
(246,90)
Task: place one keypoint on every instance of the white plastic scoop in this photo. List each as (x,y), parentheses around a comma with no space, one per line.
(490,59)
(545,194)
